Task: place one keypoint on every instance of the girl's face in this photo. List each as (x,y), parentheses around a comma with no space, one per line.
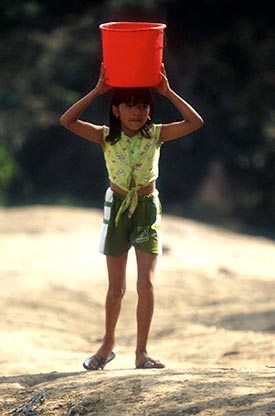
(132,116)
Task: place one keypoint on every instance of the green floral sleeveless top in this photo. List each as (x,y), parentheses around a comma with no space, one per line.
(133,160)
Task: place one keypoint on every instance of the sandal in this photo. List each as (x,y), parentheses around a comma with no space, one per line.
(150,363)
(100,362)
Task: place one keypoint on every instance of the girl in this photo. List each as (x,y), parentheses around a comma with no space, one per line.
(132,209)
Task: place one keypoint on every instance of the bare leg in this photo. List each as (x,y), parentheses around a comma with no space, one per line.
(146,264)
(117,285)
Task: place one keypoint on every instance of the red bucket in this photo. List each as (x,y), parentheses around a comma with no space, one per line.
(132,53)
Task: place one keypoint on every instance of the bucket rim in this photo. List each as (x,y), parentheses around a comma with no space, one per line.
(139,26)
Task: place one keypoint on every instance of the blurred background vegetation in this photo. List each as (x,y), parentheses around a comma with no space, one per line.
(219,55)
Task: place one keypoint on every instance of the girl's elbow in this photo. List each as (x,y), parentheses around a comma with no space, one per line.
(64,121)
(199,123)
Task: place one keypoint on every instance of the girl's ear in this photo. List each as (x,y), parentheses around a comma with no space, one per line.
(115,110)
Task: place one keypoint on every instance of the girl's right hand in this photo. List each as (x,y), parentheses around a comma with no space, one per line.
(163,87)
(101,86)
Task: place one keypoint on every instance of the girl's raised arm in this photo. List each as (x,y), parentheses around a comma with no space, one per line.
(191,119)
(70,119)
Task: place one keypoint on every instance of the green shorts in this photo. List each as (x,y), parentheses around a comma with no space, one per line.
(142,230)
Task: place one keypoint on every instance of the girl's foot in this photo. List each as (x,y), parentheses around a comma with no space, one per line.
(144,361)
(97,363)
(150,363)
(103,356)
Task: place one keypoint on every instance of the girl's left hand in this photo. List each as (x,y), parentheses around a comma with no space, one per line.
(163,87)
(101,86)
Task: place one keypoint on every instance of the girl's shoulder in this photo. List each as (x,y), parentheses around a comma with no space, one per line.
(155,130)
(106,131)
(154,134)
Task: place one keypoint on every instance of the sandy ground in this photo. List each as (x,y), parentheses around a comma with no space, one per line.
(214,322)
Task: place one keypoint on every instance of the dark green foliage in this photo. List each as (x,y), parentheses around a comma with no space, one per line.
(219,55)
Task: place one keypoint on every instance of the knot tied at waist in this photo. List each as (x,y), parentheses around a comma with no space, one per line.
(129,202)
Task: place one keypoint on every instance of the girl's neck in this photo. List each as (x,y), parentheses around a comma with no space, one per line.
(129,133)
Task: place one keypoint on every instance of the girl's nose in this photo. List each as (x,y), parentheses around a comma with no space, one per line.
(135,112)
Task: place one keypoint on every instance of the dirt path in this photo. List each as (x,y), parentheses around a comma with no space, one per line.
(214,323)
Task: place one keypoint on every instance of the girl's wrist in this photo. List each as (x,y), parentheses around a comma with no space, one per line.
(95,92)
(168,93)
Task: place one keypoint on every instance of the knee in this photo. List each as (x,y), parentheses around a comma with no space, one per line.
(144,286)
(116,293)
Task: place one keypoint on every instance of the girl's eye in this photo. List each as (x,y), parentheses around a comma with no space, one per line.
(141,106)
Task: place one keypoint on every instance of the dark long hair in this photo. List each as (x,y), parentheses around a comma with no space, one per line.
(129,96)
